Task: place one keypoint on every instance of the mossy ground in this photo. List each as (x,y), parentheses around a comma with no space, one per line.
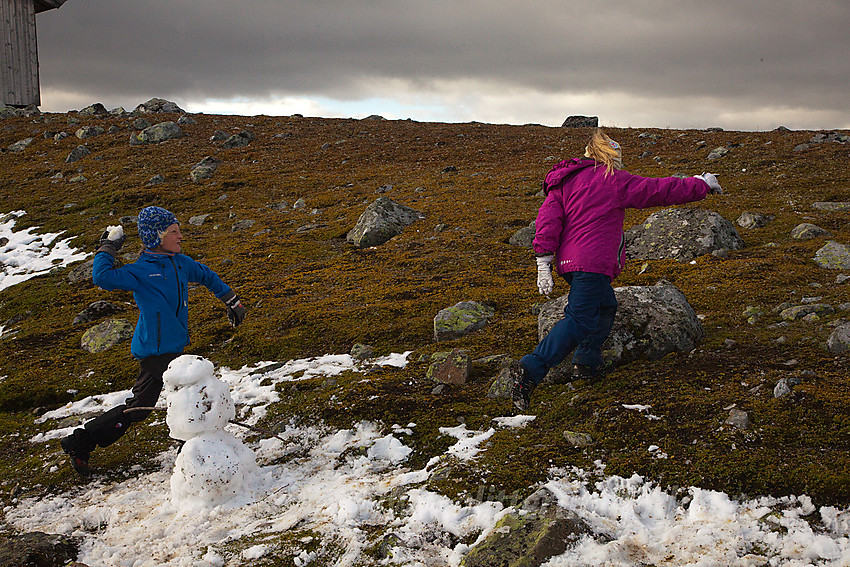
(309,293)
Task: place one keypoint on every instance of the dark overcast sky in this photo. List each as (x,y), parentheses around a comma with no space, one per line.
(738,64)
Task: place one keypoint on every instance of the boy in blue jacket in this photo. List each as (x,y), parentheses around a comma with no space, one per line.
(159,280)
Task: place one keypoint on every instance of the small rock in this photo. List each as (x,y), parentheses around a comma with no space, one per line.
(156,180)
(754,220)
(204,169)
(449,367)
(20,145)
(578,121)
(239,140)
(807,231)
(219,136)
(141,124)
(198,220)
(361,352)
(461,319)
(839,340)
(833,256)
(186,119)
(717,153)
(738,419)
(156,134)
(106,335)
(242,225)
(577,439)
(77,154)
(96,109)
(89,132)
(95,311)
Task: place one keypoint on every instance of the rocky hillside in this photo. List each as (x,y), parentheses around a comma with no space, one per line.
(270,210)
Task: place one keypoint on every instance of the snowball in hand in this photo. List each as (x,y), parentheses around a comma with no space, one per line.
(197,401)
(115,232)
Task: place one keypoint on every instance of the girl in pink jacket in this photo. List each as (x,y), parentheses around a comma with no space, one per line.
(580,229)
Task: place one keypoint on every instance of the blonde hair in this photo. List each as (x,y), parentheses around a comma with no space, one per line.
(604,150)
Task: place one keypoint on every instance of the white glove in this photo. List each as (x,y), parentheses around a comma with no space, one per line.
(713,185)
(544,274)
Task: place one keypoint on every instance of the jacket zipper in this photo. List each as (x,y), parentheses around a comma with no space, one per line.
(620,251)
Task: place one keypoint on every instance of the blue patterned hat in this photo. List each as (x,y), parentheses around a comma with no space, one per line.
(152,222)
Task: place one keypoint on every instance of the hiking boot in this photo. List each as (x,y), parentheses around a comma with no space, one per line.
(522,386)
(79,462)
(591,373)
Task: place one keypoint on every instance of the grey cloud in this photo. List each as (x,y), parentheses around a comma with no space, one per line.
(762,52)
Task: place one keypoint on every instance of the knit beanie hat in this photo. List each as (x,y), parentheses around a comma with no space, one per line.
(152,224)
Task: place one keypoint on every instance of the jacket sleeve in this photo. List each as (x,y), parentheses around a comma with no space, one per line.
(202,274)
(106,277)
(638,192)
(549,223)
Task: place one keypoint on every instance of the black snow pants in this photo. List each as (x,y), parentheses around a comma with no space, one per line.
(107,428)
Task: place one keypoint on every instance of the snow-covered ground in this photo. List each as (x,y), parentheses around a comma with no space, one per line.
(336,487)
(322,493)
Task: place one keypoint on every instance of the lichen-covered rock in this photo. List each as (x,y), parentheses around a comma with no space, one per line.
(461,319)
(833,256)
(529,536)
(157,133)
(381,220)
(449,367)
(21,145)
(798,312)
(839,340)
(96,109)
(106,335)
(807,231)
(754,220)
(681,234)
(832,207)
(651,321)
(204,169)
(157,105)
(89,132)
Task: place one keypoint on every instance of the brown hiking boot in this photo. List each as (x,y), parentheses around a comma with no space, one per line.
(522,386)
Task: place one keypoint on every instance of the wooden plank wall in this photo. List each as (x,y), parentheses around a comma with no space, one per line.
(18,54)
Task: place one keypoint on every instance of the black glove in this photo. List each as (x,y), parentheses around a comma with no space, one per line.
(113,246)
(235,309)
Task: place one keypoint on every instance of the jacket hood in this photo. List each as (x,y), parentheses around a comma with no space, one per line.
(564,168)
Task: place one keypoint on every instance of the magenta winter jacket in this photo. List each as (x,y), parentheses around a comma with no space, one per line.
(581,219)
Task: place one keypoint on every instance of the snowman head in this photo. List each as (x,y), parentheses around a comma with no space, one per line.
(187,369)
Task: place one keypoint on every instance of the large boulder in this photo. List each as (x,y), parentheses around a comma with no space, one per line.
(681,234)
(204,169)
(460,320)
(839,340)
(156,134)
(105,335)
(381,220)
(158,105)
(239,140)
(651,321)
(833,256)
(581,122)
(529,536)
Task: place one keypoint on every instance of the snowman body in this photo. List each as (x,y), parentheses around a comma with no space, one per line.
(213,465)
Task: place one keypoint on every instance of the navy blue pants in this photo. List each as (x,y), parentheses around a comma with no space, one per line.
(588,320)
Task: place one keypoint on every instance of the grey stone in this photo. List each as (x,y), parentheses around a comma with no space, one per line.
(681,234)
(738,419)
(198,220)
(449,367)
(807,231)
(156,179)
(81,272)
(242,225)
(156,105)
(239,140)
(96,109)
(461,319)
(832,207)
(753,220)
(204,169)
(577,439)
(839,340)
(651,321)
(717,153)
(381,221)
(21,145)
(141,123)
(89,132)
(833,256)
(361,352)
(219,136)
(784,386)
(105,335)
(186,119)
(523,237)
(96,310)
(528,537)
(156,134)
(578,121)
(77,154)
(501,386)
(60,136)
(798,312)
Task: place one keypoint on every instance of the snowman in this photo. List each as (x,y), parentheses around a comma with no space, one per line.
(213,466)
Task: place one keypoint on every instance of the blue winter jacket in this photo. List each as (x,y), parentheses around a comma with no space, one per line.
(160,286)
